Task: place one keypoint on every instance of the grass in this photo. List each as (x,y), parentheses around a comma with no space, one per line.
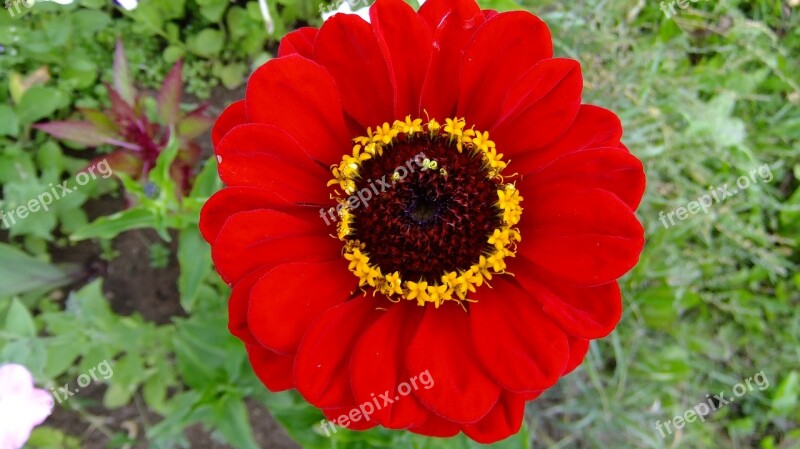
(704,97)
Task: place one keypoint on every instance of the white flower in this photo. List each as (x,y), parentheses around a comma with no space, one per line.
(128,4)
(22,407)
(268,22)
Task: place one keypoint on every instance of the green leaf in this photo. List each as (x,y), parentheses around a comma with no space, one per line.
(9,125)
(20,273)
(194,257)
(207,182)
(88,21)
(110,226)
(116,396)
(19,321)
(37,103)
(500,5)
(231,419)
(172,54)
(49,438)
(207,43)
(787,395)
(213,10)
(61,354)
(232,75)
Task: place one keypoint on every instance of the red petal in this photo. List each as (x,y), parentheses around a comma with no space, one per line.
(378,368)
(462,391)
(266,156)
(232,200)
(300,97)
(348,50)
(169,96)
(274,370)
(234,115)
(594,127)
(539,106)
(588,237)
(321,369)
(504,420)
(299,41)
(528,352)
(436,426)
(342,414)
(252,240)
(502,50)
(239,303)
(578,347)
(586,312)
(611,169)
(453,24)
(406,45)
(282,306)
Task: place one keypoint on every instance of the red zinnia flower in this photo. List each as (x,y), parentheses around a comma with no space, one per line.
(372,227)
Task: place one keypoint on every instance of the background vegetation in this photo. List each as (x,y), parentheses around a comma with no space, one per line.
(705,97)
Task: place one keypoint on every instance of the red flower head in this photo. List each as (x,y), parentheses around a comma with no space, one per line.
(422,225)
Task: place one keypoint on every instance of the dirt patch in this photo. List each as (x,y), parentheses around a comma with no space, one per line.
(130,423)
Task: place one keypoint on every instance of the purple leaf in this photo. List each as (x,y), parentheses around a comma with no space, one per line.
(122,110)
(101,120)
(122,74)
(84,133)
(195,123)
(120,161)
(169,96)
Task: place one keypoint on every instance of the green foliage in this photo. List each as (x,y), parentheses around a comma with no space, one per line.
(705,97)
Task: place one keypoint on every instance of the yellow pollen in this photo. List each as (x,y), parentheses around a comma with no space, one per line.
(454,285)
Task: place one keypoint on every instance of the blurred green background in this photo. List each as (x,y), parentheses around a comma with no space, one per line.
(116,271)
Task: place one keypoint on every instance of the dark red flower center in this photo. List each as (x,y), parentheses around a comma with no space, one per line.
(427,214)
(424,222)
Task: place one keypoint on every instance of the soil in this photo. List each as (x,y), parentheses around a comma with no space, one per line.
(133,285)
